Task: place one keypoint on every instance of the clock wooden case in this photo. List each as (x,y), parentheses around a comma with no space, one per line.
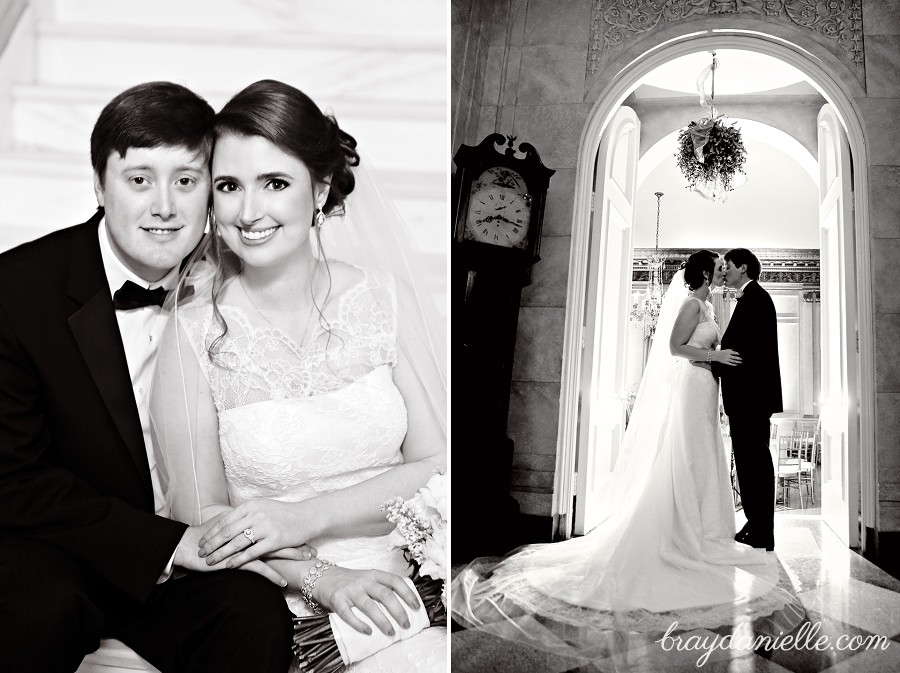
(498,205)
(498,201)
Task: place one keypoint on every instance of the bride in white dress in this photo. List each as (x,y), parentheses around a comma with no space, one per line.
(664,551)
(295,393)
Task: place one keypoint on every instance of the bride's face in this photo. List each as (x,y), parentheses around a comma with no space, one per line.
(263,200)
(718,278)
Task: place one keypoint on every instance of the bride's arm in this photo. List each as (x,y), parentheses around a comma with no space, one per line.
(685,324)
(355,510)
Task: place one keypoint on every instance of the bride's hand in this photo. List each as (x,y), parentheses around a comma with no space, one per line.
(727,357)
(340,589)
(274,526)
(186,557)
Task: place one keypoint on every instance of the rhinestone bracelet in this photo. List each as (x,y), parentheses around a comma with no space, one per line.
(309,583)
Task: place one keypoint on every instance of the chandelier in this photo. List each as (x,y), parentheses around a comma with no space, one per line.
(645,311)
(711,153)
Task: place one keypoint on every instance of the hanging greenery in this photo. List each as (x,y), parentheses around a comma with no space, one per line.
(710,153)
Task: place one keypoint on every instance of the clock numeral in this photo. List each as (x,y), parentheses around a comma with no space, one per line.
(503,197)
(519,221)
(491,197)
(515,231)
(484,231)
(496,238)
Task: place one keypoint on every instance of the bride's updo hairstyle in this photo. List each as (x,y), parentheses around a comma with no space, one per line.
(703,261)
(291,121)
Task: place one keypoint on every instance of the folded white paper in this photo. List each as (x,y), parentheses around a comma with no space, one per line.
(355,646)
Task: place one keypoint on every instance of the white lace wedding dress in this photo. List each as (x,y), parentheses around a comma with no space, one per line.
(663,553)
(297,423)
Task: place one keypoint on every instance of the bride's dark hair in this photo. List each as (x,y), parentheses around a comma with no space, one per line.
(695,266)
(290,120)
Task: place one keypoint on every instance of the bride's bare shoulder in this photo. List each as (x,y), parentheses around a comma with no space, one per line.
(344,277)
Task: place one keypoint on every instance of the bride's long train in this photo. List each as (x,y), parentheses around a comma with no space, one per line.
(664,553)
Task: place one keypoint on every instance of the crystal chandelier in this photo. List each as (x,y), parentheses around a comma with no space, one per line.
(645,311)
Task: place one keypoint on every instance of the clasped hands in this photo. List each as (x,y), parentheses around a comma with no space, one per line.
(279,542)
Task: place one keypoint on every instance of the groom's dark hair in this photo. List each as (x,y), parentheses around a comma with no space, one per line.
(741,256)
(154,114)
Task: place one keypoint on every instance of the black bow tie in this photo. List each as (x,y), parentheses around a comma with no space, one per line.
(131,295)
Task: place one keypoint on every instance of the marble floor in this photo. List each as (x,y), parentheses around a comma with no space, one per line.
(842,592)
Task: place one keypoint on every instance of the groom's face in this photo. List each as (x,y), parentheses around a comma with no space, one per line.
(156,201)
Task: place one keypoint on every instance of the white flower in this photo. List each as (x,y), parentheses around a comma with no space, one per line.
(421,527)
(435,553)
(434,494)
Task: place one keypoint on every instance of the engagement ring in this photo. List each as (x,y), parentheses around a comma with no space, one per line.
(249,534)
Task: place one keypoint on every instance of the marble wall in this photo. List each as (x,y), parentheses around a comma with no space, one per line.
(540,79)
(881,115)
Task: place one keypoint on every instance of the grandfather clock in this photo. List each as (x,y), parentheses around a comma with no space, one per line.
(498,206)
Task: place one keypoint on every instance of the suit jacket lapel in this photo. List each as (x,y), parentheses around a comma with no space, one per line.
(96,331)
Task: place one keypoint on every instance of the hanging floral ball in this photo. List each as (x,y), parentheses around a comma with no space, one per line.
(723,153)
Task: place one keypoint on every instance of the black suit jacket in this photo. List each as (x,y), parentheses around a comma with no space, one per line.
(73,466)
(754,386)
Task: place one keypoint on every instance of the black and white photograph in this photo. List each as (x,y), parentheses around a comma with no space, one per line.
(223,336)
(674,345)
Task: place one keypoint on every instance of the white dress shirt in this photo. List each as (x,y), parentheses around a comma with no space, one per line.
(141,330)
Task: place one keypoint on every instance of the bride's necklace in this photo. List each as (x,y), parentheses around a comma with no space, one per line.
(300,343)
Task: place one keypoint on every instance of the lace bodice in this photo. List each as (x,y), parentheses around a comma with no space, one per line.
(706,335)
(295,422)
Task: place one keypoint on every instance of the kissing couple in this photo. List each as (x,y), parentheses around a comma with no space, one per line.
(665,549)
(206,396)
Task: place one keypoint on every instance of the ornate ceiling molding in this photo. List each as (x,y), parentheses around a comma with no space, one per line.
(613,22)
(779,265)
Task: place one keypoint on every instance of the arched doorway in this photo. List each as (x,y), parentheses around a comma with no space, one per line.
(855,306)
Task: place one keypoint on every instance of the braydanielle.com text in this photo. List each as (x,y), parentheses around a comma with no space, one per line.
(806,638)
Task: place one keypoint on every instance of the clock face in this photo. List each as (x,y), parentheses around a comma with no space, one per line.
(498,216)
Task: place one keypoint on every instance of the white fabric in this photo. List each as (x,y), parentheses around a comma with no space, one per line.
(664,550)
(295,423)
(291,423)
(355,646)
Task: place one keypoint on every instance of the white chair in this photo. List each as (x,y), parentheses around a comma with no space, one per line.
(796,466)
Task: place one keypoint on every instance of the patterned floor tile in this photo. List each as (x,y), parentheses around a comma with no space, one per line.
(856,603)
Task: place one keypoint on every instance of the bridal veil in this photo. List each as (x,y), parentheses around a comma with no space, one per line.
(369,234)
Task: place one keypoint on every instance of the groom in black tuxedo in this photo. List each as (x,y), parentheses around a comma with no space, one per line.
(83,553)
(751,392)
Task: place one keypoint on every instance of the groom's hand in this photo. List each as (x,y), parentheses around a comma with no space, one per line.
(187,557)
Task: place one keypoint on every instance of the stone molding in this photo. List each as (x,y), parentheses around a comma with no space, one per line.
(838,22)
(779,265)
